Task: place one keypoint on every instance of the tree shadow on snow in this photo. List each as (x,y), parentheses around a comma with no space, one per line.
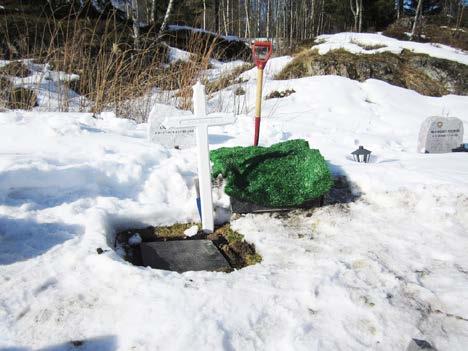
(22,239)
(101,343)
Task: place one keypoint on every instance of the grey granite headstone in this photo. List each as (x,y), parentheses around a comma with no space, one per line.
(440,135)
(157,133)
(418,345)
(184,255)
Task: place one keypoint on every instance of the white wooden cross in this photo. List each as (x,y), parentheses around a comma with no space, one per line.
(201,121)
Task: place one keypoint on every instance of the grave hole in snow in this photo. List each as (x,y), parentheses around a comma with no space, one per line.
(183,247)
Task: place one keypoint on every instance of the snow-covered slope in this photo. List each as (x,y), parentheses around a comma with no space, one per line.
(367,275)
(371,43)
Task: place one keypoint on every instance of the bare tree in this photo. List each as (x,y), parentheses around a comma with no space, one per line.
(247,19)
(268,18)
(166,18)
(153,11)
(461,9)
(204,14)
(356,9)
(216,10)
(417,16)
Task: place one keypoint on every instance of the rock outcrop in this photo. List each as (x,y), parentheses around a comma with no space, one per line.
(425,74)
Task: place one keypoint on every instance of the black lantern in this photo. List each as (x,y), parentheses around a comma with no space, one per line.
(361,154)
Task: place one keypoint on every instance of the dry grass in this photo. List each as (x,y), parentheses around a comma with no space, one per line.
(16,69)
(228,79)
(113,74)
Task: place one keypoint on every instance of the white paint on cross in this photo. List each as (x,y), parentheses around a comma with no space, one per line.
(201,121)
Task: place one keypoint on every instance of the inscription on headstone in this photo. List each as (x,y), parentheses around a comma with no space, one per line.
(440,135)
(169,137)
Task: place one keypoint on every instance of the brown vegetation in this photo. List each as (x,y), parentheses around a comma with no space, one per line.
(431,29)
(111,71)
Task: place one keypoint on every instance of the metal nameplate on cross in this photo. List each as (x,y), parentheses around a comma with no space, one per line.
(201,122)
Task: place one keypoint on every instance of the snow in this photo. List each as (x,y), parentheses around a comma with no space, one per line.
(193,230)
(175,55)
(135,240)
(356,43)
(274,66)
(52,93)
(366,275)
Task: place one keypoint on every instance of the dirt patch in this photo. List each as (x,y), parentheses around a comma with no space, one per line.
(279,94)
(238,252)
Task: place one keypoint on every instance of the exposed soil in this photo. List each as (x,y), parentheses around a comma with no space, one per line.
(238,252)
(279,94)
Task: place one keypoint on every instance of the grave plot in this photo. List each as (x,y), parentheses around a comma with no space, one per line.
(184,247)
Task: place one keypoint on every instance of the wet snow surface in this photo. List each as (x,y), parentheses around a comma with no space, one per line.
(365,275)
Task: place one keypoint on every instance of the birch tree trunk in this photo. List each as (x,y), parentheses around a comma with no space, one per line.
(204,14)
(153,11)
(258,18)
(268,19)
(247,20)
(417,15)
(136,27)
(356,9)
(228,26)
(166,18)
(360,16)
(459,18)
(223,11)
(290,23)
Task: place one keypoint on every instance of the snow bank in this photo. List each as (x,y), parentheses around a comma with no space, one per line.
(363,43)
(175,54)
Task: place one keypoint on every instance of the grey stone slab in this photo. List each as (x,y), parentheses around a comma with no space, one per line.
(418,345)
(247,207)
(440,135)
(183,255)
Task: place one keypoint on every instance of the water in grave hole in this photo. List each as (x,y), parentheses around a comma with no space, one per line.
(169,248)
